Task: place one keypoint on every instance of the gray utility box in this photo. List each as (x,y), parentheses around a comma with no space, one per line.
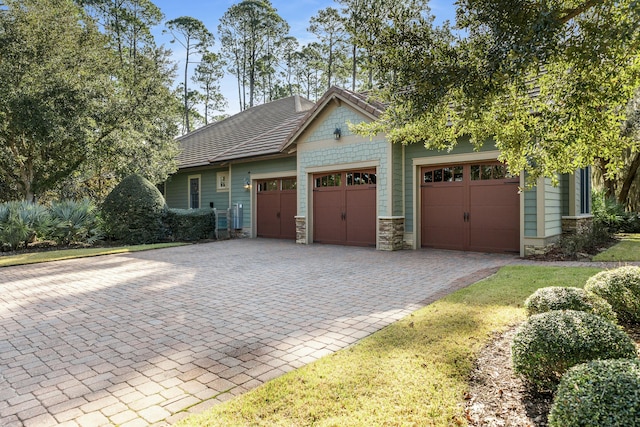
(236,215)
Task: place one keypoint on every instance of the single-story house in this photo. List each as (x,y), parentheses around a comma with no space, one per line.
(299,173)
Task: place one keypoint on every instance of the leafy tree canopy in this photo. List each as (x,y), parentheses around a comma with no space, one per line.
(79,107)
(548,81)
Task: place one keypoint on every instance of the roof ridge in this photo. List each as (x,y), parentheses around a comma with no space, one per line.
(296,117)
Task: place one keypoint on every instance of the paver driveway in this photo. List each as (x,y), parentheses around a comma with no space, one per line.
(146,338)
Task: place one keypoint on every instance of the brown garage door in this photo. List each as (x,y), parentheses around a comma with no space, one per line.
(344,208)
(276,208)
(471,207)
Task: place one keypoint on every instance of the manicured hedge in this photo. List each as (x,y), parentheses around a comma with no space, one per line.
(548,344)
(568,298)
(603,393)
(621,288)
(190,224)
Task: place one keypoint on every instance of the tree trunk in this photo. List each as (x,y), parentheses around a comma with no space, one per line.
(632,172)
(609,185)
(354,70)
(186,90)
(330,65)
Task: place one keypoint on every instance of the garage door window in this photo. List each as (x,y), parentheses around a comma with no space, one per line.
(361,178)
(488,172)
(271,185)
(448,174)
(330,180)
(289,184)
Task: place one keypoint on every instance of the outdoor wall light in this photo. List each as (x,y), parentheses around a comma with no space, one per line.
(247,184)
(337,134)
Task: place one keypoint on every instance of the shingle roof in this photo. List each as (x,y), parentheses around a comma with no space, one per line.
(257,131)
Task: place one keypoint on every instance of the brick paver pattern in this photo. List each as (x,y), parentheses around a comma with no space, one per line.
(150,337)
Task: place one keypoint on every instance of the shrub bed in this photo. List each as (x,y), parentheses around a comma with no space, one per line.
(190,224)
(604,393)
(568,298)
(621,288)
(74,221)
(548,344)
(66,222)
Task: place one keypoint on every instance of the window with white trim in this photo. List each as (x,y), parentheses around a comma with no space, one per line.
(222,179)
(194,192)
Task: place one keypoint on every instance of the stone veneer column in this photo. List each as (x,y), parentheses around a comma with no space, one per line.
(572,225)
(301,230)
(390,233)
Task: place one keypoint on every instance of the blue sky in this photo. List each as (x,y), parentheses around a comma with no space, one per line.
(295,12)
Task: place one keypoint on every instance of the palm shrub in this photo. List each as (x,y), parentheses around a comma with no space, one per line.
(568,298)
(548,344)
(74,221)
(133,211)
(621,288)
(604,393)
(21,222)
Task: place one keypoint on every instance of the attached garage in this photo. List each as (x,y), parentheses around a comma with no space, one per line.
(344,208)
(470,207)
(276,203)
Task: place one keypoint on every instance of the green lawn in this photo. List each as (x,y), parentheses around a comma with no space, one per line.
(413,372)
(57,255)
(628,249)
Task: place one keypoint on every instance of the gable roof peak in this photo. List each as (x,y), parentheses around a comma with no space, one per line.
(358,101)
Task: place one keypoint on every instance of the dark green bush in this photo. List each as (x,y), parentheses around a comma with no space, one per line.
(548,344)
(74,221)
(603,393)
(190,224)
(611,214)
(133,211)
(565,298)
(621,288)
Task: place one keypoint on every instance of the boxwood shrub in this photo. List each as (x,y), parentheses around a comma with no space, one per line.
(567,298)
(604,393)
(548,344)
(133,212)
(190,224)
(621,288)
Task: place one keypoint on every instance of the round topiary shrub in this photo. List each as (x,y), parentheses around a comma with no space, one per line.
(621,288)
(566,298)
(548,344)
(133,211)
(603,393)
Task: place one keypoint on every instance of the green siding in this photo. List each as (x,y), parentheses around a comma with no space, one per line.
(397,207)
(337,118)
(553,209)
(242,171)
(177,189)
(531,212)
(564,193)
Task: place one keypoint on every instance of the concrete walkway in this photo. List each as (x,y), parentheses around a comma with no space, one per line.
(147,338)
